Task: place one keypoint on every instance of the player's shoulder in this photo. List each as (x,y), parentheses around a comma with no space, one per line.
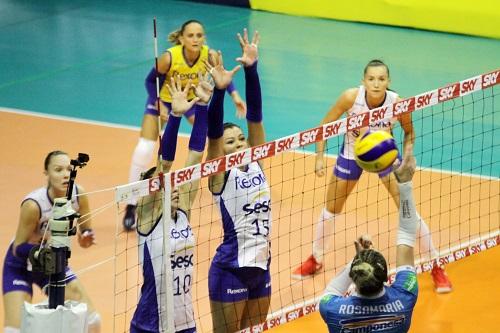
(350,93)
(406,280)
(348,97)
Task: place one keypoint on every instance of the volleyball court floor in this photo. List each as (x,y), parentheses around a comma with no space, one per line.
(88,59)
(470,307)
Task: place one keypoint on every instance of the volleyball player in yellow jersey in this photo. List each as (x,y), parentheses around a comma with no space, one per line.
(185,59)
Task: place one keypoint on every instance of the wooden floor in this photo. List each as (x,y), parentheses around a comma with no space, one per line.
(472,307)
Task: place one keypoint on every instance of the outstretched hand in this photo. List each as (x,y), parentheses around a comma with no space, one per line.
(222,77)
(363,243)
(204,89)
(250,49)
(404,172)
(179,95)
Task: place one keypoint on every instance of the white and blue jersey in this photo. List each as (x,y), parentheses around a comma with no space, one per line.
(245,207)
(388,313)
(17,274)
(150,316)
(360,106)
(41,197)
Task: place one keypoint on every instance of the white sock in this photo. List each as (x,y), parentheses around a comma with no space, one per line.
(425,240)
(11,330)
(94,322)
(141,159)
(324,233)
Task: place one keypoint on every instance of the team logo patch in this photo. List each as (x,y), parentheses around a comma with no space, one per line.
(326,299)
(410,283)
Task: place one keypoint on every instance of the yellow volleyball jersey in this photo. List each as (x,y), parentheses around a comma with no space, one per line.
(178,66)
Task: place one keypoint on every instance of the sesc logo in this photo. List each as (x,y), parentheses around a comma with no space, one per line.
(181,261)
(257,208)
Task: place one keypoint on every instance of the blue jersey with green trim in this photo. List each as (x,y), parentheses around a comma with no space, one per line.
(389,313)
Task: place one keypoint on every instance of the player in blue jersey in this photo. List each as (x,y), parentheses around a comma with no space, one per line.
(239,281)
(149,317)
(36,210)
(374,307)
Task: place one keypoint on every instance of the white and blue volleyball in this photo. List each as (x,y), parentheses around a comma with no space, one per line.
(375,151)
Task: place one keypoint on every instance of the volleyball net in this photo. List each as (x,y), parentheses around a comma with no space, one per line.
(456,190)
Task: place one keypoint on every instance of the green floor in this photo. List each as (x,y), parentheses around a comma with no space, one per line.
(88,59)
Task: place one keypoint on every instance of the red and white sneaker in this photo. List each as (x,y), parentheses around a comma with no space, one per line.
(307,268)
(442,283)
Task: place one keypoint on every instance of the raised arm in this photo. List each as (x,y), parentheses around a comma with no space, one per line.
(342,105)
(222,78)
(409,133)
(339,285)
(248,59)
(408,218)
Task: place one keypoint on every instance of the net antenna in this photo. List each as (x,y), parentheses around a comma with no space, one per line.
(158,101)
(167,300)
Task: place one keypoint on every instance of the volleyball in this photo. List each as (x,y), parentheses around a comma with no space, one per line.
(375,151)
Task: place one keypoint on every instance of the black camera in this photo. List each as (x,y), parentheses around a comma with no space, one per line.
(81,160)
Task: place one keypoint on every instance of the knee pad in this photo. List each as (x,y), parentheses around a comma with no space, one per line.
(144,152)
(141,158)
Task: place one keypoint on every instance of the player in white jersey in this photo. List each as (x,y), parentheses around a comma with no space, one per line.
(374,307)
(239,281)
(371,94)
(149,316)
(36,210)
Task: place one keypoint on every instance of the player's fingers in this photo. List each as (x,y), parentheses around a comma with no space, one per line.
(194,100)
(178,83)
(256,38)
(187,87)
(221,61)
(235,69)
(240,40)
(245,35)
(357,246)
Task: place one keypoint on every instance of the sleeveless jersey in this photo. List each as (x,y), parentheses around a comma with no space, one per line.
(44,202)
(178,66)
(149,315)
(389,313)
(245,207)
(360,106)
